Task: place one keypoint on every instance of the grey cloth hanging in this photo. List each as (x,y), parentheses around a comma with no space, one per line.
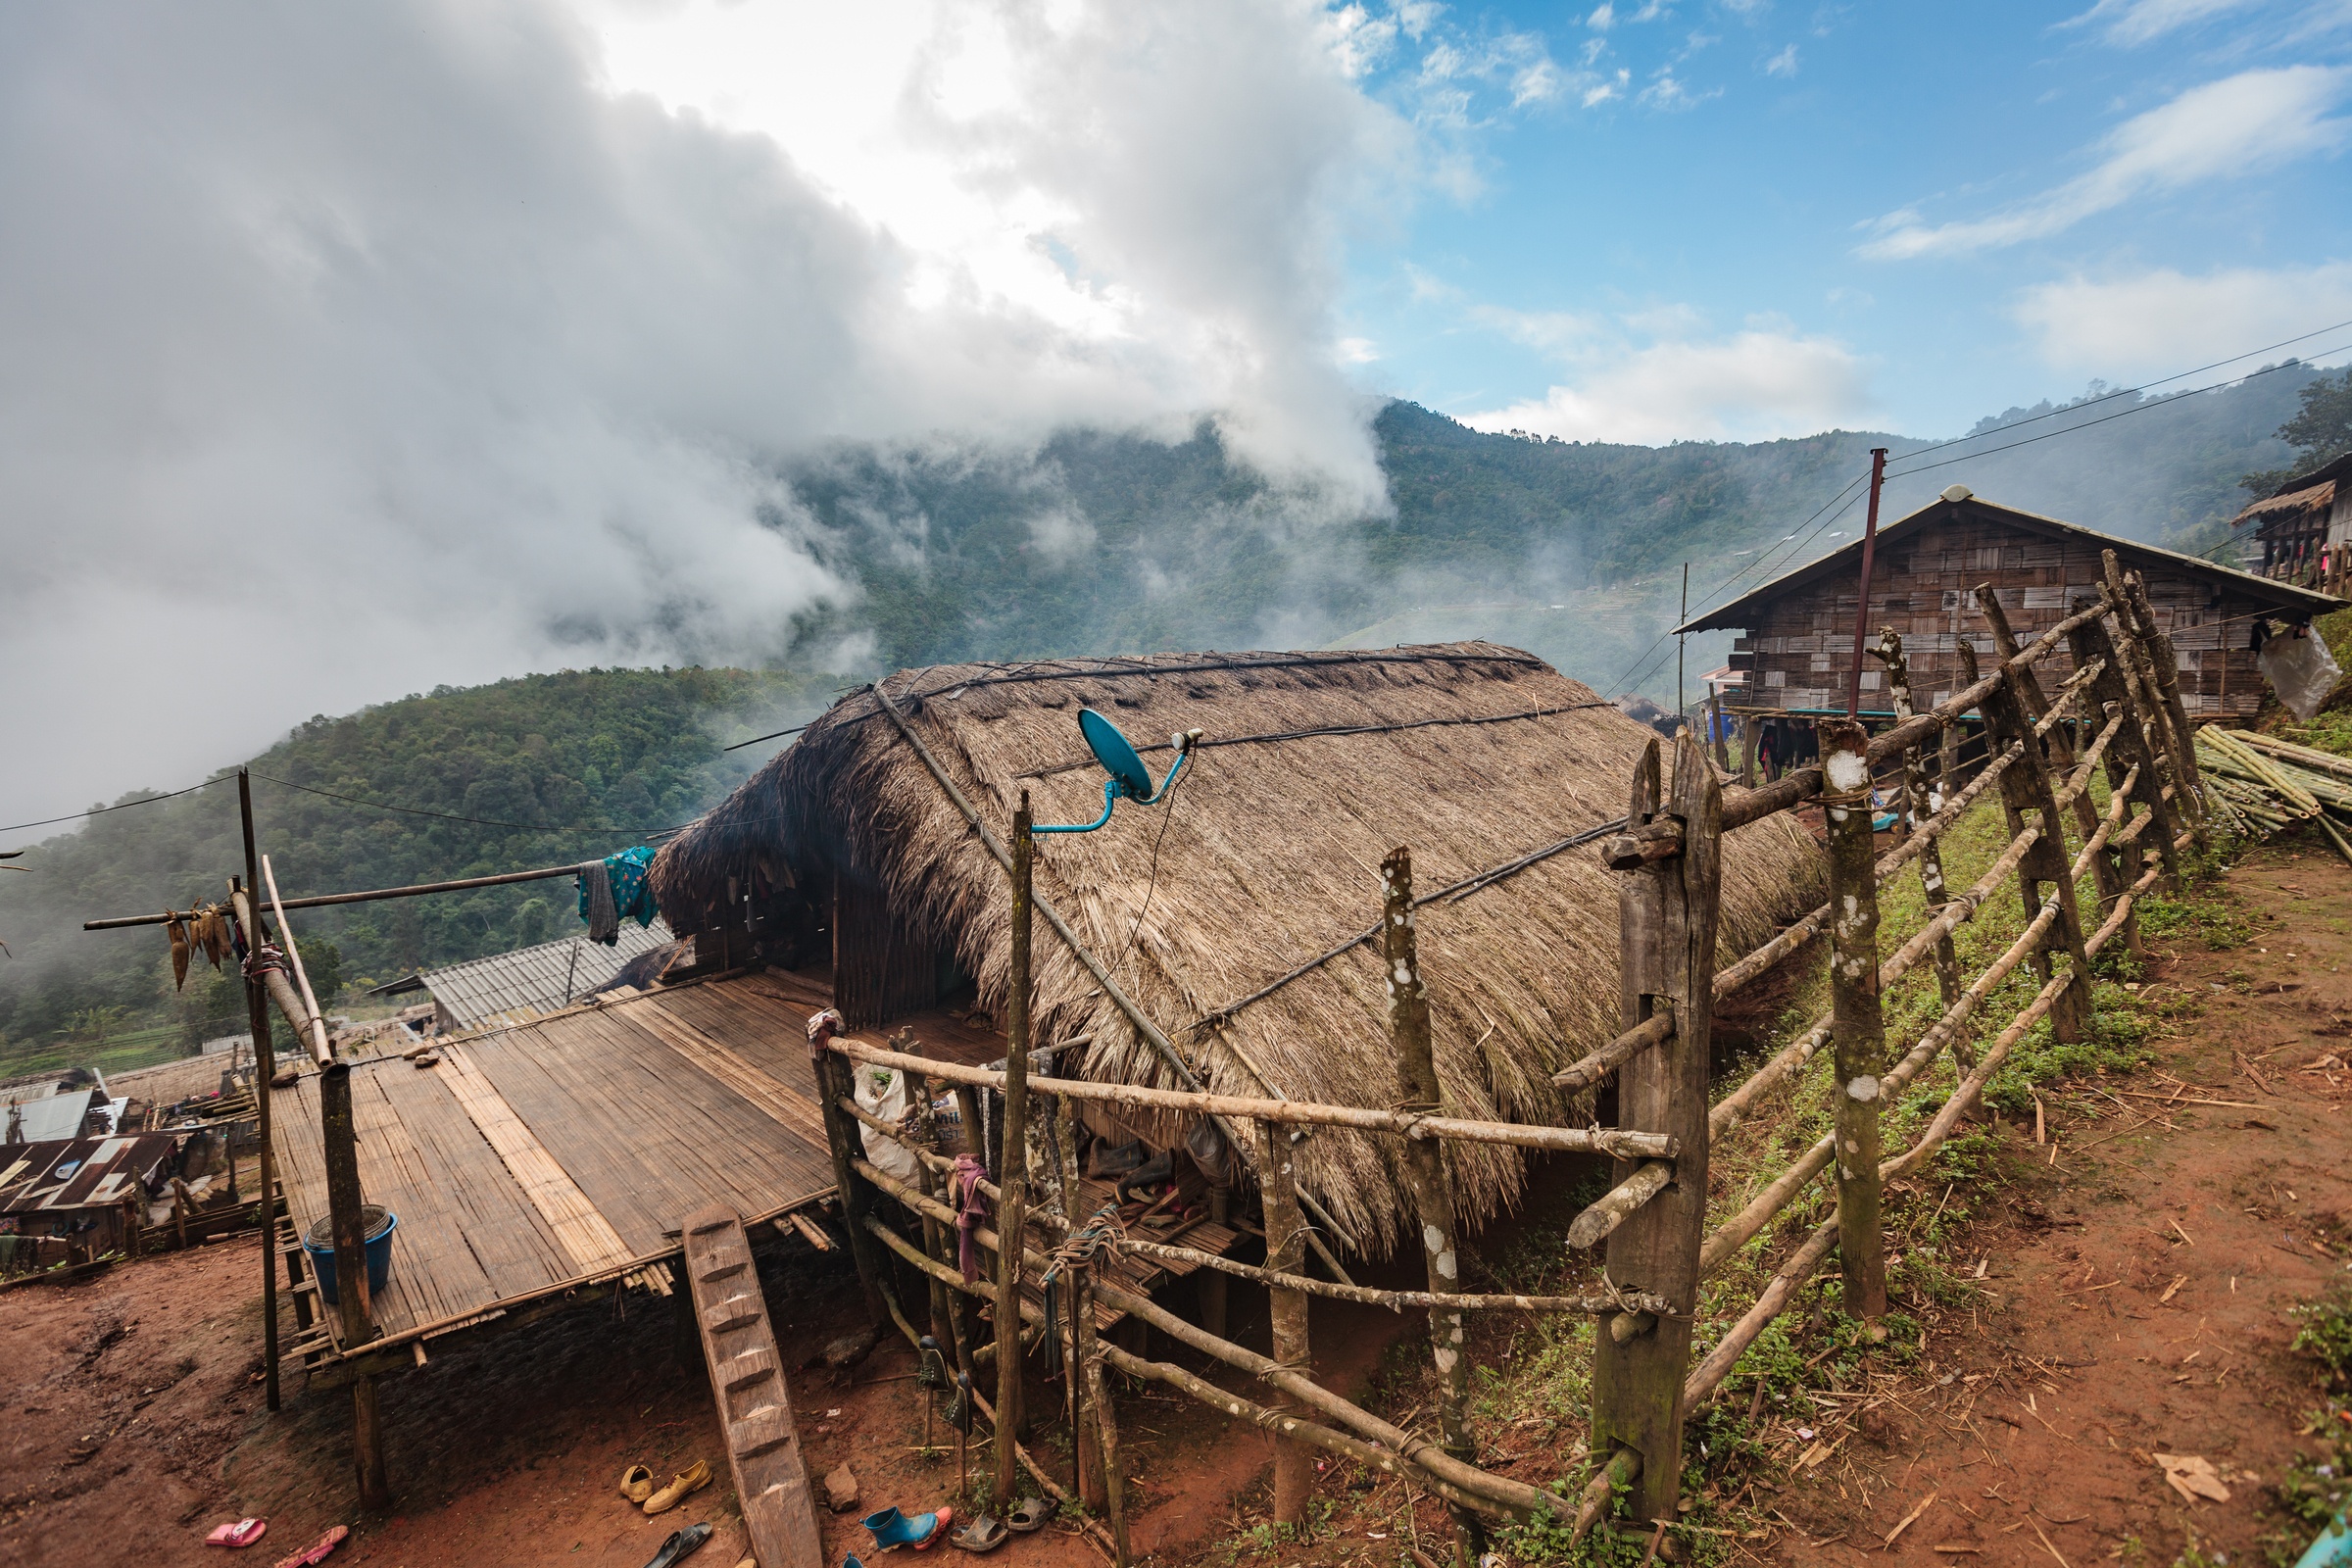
(603,920)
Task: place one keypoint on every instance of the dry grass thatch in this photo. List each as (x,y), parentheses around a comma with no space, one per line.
(1266,854)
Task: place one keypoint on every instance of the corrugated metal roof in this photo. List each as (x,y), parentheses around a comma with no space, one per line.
(77,1172)
(47,1117)
(536,980)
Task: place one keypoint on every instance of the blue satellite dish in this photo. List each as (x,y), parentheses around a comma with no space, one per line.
(1129,777)
(1117,756)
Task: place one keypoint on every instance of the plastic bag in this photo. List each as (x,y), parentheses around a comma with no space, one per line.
(2301,671)
(882,1094)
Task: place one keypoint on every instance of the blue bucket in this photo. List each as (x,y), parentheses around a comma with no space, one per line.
(319,1244)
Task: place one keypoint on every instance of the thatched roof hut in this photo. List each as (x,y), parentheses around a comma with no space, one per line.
(1265,857)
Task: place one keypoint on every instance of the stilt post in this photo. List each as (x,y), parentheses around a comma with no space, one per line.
(343,1201)
(1418,1090)
(1013,1180)
(1667,912)
(1858,1026)
(835,1081)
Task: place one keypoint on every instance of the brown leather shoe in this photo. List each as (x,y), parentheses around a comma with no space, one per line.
(670,1497)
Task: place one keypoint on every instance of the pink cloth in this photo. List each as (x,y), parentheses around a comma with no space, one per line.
(971,1209)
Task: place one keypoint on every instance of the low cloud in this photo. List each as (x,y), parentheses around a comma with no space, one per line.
(1758,384)
(2153,323)
(2220,130)
(457,340)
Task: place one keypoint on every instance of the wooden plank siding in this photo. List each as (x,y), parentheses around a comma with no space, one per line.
(1797,645)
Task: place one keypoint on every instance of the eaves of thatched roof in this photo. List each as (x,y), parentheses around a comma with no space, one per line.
(1266,854)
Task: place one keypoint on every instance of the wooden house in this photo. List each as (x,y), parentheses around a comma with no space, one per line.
(1797,639)
(2304,527)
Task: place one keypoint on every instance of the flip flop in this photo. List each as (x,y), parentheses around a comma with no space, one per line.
(636,1483)
(1029,1514)
(318,1553)
(243,1533)
(981,1532)
(679,1546)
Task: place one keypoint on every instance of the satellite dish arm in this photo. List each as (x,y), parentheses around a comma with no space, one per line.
(1112,791)
(1111,797)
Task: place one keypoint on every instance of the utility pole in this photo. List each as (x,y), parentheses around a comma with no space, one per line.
(1870,545)
(264,1067)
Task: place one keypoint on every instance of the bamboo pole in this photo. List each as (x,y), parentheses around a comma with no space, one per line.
(1300,1113)
(1859,1034)
(1667,913)
(1773,1300)
(265,1068)
(1094,1469)
(1014,1176)
(1418,1089)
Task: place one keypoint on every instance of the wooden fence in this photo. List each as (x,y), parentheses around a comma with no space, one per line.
(2119,711)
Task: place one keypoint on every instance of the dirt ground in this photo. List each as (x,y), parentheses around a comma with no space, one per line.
(2136,1275)
(2137,1287)
(133,1412)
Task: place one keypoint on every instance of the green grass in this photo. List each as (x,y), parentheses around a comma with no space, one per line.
(124,1053)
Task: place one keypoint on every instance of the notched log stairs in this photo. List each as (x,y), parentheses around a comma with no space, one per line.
(747,1379)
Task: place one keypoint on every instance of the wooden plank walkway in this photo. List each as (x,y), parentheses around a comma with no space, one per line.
(566,1150)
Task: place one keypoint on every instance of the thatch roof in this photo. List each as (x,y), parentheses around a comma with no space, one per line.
(1266,854)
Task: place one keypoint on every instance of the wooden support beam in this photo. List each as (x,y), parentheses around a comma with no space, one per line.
(2029,798)
(1418,1089)
(2112,692)
(1667,912)
(2060,745)
(1859,1027)
(1653,1031)
(1285,1252)
(2166,666)
(343,1201)
(834,1085)
(1015,1178)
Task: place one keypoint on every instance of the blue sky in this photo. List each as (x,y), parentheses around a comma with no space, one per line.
(1754,219)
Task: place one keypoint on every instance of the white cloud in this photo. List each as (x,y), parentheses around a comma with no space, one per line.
(2137,22)
(1667,93)
(1783,64)
(2155,323)
(463,338)
(2220,130)
(1753,385)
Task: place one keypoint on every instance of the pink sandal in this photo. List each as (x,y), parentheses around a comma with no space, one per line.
(320,1552)
(244,1533)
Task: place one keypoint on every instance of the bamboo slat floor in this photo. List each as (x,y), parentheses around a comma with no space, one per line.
(566,1150)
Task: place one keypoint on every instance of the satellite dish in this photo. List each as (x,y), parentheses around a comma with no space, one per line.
(1128,774)
(1117,756)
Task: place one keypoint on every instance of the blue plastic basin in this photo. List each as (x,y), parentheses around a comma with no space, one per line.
(379,1259)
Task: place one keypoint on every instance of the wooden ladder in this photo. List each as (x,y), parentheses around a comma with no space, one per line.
(755,1409)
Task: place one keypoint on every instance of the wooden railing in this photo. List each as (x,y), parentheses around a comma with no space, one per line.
(2118,711)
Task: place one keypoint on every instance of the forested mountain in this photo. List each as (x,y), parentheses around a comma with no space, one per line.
(542,770)
(1097,542)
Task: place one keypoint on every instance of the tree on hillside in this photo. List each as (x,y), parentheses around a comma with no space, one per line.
(2320,432)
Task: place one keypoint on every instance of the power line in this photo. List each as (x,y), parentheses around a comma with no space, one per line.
(95,810)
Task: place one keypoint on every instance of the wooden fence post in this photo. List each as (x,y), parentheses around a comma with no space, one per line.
(343,1202)
(1092,1488)
(1919,803)
(1858,1028)
(1107,1420)
(2111,689)
(2026,787)
(1014,1213)
(835,1081)
(1418,1090)
(946,1315)
(2167,662)
(1286,1253)
(1667,914)
(2146,684)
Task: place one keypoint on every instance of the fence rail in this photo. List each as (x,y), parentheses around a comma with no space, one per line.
(2116,712)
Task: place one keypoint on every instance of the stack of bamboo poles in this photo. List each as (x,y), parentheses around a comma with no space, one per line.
(2267,785)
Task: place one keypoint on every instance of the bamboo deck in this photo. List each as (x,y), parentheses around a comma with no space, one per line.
(565,1150)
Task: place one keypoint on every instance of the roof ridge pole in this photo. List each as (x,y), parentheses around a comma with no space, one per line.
(1870,545)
